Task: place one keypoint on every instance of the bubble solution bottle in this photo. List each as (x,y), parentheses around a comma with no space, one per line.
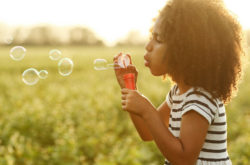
(129,78)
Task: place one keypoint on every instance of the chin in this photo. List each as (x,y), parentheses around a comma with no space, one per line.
(156,73)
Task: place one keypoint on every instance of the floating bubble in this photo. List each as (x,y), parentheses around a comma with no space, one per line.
(55,54)
(30,76)
(17,53)
(43,74)
(100,64)
(65,66)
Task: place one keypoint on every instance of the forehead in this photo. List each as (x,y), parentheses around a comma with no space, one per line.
(156,28)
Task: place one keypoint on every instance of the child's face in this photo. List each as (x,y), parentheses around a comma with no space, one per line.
(156,49)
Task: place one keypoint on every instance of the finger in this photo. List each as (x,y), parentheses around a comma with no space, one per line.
(123,102)
(124,107)
(132,68)
(129,58)
(116,57)
(125,91)
(116,66)
(123,97)
(115,60)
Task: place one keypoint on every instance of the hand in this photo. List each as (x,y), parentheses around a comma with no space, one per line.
(134,102)
(119,72)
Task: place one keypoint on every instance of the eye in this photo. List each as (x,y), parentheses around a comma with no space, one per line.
(156,37)
(159,39)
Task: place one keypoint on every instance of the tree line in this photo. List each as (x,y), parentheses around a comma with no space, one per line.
(55,35)
(76,35)
(49,35)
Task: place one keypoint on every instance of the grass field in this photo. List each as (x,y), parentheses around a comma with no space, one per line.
(77,120)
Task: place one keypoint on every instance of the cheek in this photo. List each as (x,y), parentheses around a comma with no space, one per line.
(158,69)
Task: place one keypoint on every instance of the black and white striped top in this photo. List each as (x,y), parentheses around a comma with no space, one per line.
(214,150)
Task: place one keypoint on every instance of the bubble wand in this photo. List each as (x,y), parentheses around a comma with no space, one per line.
(129,78)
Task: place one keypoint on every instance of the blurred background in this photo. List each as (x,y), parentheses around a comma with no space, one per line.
(77,119)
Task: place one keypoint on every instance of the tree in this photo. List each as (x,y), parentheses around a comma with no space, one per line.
(39,35)
(83,36)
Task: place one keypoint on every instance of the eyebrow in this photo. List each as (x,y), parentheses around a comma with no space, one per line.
(155,33)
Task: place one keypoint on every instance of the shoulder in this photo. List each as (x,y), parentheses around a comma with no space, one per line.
(202,102)
(201,95)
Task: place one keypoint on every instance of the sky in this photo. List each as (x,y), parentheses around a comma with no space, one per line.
(109,19)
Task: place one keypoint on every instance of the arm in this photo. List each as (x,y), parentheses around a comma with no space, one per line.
(179,151)
(185,149)
(141,127)
(138,122)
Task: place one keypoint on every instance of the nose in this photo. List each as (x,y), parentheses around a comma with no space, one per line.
(149,46)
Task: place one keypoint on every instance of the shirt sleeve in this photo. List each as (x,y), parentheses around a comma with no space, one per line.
(201,103)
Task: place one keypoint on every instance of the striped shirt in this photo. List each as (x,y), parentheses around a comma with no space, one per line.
(214,149)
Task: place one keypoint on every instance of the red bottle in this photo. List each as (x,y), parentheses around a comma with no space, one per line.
(124,60)
(129,80)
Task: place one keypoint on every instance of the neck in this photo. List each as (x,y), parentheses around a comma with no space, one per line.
(183,87)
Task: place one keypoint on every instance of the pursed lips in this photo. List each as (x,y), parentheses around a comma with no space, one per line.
(146,61)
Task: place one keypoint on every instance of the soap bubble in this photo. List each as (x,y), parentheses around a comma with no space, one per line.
(100,64)
(30,76)
(17,53)
(43,74)
(55,54)
(65,66)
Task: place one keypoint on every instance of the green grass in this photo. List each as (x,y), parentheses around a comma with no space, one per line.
(77,120)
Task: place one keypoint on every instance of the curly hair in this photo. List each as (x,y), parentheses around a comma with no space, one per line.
(205,45)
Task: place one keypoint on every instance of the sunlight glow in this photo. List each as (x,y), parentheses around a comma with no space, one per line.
(109,19)
(242,9)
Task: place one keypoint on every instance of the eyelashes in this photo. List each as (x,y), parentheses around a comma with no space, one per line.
(156,37)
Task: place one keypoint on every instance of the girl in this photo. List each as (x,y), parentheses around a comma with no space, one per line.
(198,44)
